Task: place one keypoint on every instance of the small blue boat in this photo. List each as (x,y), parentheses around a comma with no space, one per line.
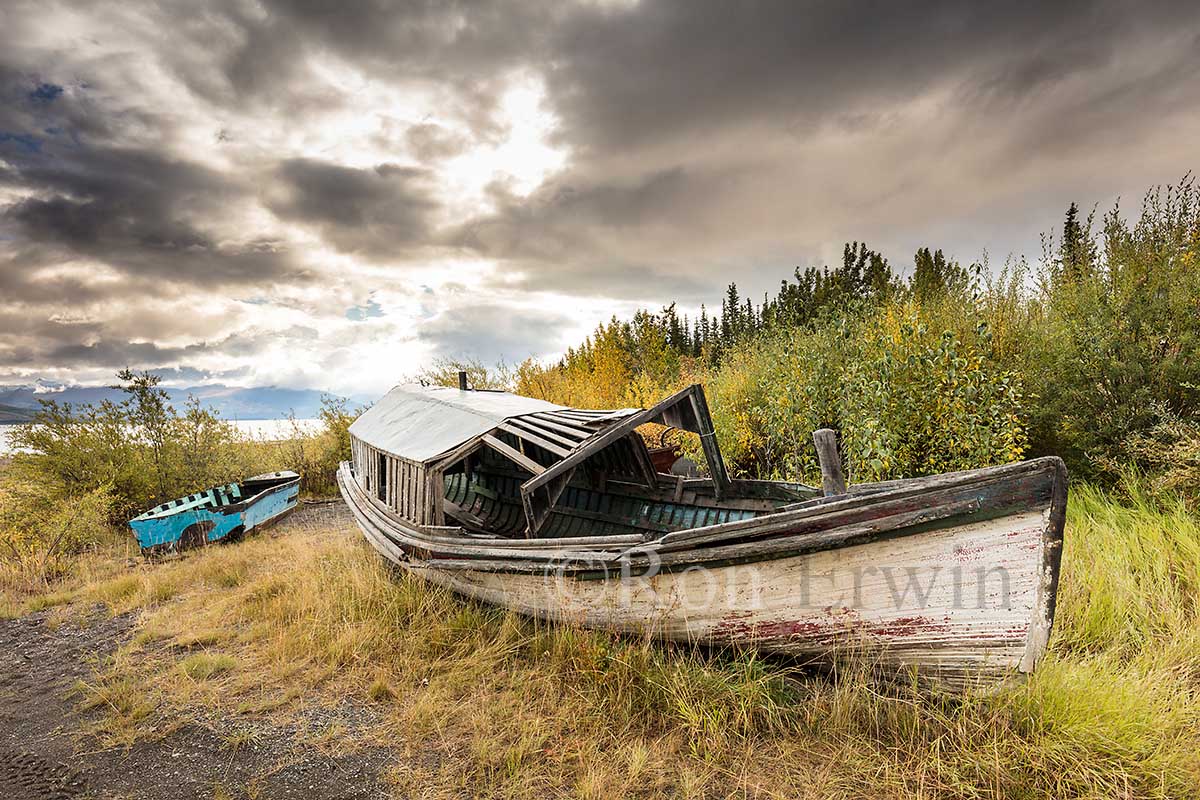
(217,513)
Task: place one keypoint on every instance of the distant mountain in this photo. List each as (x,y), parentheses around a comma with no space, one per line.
(258,402)
(12,415)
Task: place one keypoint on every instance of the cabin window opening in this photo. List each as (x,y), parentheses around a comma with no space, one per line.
(381,483)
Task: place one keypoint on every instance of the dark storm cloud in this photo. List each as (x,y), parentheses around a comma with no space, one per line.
(705,141)
(685,68)
(134,218)
(574,239)
(377,212)
(463,48)
(92,346)
(691,122)
(140,211)
(452,40)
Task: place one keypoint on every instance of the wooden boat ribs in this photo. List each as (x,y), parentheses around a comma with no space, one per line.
(559,513)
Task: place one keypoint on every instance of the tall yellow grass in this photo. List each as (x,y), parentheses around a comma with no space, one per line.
(485,703)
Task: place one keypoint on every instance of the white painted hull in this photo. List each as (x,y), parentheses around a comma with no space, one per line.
(966,602)
(938,601)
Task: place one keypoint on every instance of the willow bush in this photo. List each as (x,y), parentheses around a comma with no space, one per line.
(42,527)
(905,397)
(75,450)
(142,451)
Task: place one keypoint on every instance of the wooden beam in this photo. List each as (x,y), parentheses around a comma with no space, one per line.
(833,482)
(462,381)
(459,453)
(527,437)
(576,413)
(543,433)
(524,461)
(576,432)
(642,460)
(613,433)
(437,496)
(708,442)
(538,508)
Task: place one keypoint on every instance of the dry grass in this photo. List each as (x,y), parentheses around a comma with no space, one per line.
(484,703)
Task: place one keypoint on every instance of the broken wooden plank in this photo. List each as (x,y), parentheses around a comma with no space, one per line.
(574,432)
(708,442)
(537,435)
(608,436)
(524,461)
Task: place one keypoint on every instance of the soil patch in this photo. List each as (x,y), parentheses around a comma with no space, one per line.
(46,753)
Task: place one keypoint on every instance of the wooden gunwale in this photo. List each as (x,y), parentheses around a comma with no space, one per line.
(845,525)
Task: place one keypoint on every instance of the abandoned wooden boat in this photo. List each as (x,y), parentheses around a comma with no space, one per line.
(559,513)
(217,513)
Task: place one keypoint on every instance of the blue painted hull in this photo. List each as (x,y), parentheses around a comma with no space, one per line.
(217,513)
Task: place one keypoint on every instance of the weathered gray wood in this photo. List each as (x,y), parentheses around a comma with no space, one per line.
(539,505)
(945,497)
(924,488)
(833,482)
(961,641)
(708,442)
(575,432)
(641,457)
(457,512)
(575,413)
(367,508)
(459,453)
(946,519)
(521,432)
(611,434)
(527,463)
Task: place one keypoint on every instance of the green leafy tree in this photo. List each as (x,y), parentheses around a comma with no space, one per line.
(150,414)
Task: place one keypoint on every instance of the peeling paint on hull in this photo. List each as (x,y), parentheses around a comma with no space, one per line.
(853,600)
(962,592)
(217,513)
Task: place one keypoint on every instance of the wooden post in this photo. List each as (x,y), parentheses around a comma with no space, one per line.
(832,480)
(462,380)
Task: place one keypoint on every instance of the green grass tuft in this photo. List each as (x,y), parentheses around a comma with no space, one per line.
(202,666)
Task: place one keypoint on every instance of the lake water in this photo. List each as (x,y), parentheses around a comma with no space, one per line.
(263,429)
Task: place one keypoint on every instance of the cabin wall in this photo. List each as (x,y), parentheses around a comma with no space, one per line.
(408,487)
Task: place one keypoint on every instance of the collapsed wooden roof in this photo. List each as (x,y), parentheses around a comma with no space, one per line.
(439,427)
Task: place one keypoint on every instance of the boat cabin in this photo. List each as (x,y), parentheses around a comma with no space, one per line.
(498,464)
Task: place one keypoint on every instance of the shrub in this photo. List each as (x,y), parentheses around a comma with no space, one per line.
(43,524)
(1167,455)
(1118,322)
(141,449)
(316,455)
(906,398)
(143,452)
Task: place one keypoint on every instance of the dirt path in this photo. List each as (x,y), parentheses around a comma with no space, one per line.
(45,753)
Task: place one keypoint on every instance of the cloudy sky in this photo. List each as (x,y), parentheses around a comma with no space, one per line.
(330,195)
